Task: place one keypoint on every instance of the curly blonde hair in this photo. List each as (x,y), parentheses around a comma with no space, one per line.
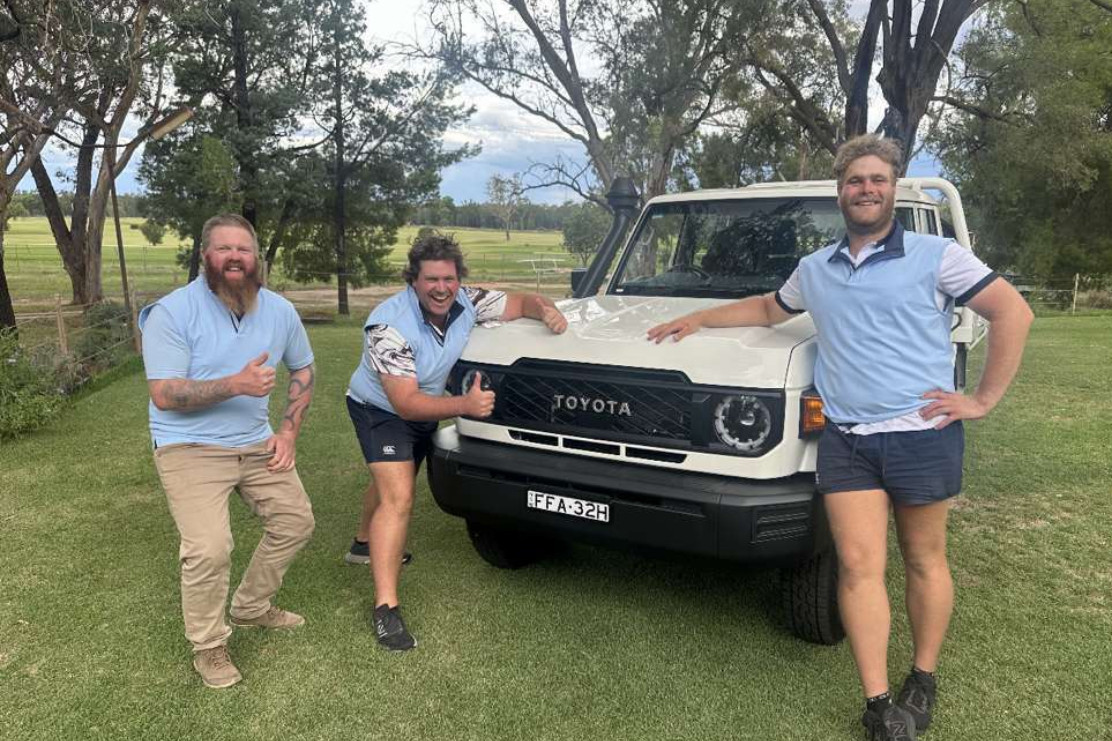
(888,150)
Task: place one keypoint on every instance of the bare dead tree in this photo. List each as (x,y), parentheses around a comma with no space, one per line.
(664,64)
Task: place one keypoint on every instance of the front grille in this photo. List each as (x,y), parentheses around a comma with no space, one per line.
(654,408)
(594,403)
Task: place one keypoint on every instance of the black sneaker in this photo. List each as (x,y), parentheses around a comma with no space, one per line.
(917,697)
(390,629)
(360,553)
(891,724)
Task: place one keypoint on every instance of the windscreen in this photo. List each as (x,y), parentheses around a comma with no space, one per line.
(724,248)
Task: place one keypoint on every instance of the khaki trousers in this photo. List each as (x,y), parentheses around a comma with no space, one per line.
(198,480)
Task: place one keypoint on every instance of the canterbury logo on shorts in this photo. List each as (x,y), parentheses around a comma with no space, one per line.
(388,450)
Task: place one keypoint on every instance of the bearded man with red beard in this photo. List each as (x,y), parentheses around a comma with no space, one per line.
(234,278)
(210,351)
(396,400)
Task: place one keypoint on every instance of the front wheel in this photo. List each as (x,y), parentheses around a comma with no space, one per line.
(810,594)
(505,549)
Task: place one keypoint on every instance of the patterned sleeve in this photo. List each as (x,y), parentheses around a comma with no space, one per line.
(489,305)
(388,352)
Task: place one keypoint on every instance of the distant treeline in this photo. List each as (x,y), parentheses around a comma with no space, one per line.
(445,212)
(130,204)
(528,216)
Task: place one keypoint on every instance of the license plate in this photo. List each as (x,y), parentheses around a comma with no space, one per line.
(568,506)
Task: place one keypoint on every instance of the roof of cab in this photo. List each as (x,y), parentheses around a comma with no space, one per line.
(906,191)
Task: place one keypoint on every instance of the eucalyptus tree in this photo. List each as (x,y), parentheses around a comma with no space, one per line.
(1029,136)
(118,47)
(381,132)
(630,80)
(904,45)
(39,82)
(505,196)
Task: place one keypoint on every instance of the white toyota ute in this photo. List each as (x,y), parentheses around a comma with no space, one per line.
(705,446)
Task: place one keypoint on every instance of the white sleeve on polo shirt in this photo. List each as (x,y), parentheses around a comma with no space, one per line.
(790,297)
(962,275)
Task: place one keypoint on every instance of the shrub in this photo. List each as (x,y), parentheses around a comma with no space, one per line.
(1096,299)
(28,398)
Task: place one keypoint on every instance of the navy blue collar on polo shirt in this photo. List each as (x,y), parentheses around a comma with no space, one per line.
(453,314)
(892,247)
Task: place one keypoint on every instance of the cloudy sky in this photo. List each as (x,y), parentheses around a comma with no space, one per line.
(510,139)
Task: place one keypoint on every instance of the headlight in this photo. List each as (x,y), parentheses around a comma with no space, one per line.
(469,379)
(464,375)
(743,422)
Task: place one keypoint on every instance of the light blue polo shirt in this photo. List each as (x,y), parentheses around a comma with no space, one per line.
(190,333)
(883,337)
(399,341)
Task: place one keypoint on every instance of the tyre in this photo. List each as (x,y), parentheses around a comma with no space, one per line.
(810,593)
(505,549)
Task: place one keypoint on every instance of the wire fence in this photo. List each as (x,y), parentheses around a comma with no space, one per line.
(75,336)
(1083,293)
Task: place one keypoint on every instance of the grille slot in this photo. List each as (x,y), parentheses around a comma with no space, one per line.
(592,447)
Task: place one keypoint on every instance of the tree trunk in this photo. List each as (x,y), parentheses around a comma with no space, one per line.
(70,242)
(94,236)
(7,310)
(340,225)
(279,234)
(195,258)
(249,174)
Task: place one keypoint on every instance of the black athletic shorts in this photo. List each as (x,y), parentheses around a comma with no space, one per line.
(914,467)
(384,436)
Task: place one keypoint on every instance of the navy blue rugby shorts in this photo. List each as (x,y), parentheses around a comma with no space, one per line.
(384,436)
(914,467)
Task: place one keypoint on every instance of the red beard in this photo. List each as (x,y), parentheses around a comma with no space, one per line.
(239,297)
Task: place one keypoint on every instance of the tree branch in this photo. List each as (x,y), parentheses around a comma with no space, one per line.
(976,110)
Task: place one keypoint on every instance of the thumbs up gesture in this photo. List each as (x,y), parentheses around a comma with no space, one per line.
(256,378)
(478,403)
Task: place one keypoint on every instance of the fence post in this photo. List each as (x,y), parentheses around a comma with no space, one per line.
(1076,285)
(63,343)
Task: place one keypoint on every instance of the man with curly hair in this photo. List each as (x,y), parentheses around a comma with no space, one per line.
(396,400)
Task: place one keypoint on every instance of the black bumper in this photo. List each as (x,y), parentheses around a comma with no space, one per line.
(770,522)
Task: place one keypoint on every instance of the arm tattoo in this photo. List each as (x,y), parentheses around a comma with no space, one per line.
(183,394)
(298,396)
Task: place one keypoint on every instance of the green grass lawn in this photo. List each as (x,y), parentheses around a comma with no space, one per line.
(594,644)
(35,272)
